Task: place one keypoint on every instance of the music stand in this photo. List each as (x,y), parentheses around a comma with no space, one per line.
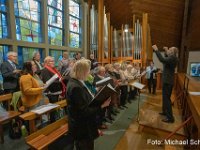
(139,87)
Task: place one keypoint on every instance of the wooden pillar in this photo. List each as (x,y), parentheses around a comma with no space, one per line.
(109,38)
(133,50)
(111,44)
(88,31)
(144,38)
(149,48)
(100,29)
(184,52)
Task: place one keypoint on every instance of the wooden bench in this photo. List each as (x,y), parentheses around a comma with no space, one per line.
(8,115)
(6,98)
(40,139)
(31,116)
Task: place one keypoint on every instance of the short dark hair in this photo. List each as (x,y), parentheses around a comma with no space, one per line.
(27,68)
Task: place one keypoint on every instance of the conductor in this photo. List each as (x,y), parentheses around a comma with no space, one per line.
(169,64)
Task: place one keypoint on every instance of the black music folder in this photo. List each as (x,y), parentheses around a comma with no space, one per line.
(106,92)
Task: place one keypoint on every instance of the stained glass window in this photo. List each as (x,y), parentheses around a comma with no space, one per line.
(55,22)
(3,19)
(74,24)
(28,20)
(3,51)
(26,54)
(57,55)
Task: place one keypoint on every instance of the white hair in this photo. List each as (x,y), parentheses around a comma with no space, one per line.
(11,53)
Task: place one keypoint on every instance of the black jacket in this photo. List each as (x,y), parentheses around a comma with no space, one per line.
(55,86)
(10,79)
(82,118)
(169,65)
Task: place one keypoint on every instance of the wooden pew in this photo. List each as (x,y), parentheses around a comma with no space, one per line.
(6,98)
(8,115)
(31,116)
(40,139)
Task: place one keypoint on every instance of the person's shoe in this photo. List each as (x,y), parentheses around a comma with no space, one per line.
(108,120)
(124,106)
(168,120)
(113,113)
(100,132)
(111,118)
(116,111)
(162,113)
(120,107)
(103,126)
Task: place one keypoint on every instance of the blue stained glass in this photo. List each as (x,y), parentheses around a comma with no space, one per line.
(74,9)
(55,17)
(74,40)
(55,22)
(3,5)
(74,24)
(26,54)
(3,51)
(55,3)
(28,21)
(55,36)
(56,54)
(3,19)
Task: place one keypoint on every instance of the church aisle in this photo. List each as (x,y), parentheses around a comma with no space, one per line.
(137,137)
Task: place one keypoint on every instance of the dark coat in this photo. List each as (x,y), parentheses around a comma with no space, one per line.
(96,79)
(55,86)
(169,65)
(10,79)
(38,72)
(82,118)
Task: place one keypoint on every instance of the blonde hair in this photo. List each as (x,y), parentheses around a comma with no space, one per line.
(47,59)
(109,67)
(175,50)
(80,69)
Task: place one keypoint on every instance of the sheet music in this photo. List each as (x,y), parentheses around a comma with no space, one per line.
(51,80)
(194,93)
(103,80)
(44,108)
(138,85)
(140,75)
(66,72)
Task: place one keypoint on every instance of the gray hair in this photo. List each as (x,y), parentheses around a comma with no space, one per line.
(11,53)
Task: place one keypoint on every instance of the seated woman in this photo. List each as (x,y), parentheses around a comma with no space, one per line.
(31,86)
(82,117)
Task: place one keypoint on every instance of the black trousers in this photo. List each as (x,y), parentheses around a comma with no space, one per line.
(86,144)
(166,99)
(152,82)
(124,93)
(53,114)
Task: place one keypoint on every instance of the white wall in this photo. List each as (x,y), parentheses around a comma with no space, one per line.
(194,56)
(157,63)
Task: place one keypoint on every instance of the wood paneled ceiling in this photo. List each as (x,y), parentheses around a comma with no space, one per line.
(165,17)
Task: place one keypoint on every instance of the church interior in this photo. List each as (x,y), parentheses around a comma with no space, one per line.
(147,49)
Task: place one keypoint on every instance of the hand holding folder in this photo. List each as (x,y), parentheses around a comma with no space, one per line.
(103,95)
